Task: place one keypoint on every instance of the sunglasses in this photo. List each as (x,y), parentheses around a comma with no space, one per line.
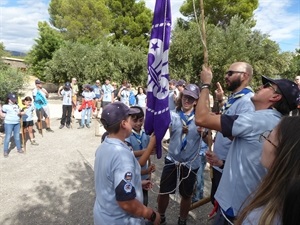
(231,72)
(269,85)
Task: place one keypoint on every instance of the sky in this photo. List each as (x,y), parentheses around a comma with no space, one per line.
(19,18)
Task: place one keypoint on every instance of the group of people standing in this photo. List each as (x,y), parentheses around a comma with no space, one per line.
(255,157)
(18,116)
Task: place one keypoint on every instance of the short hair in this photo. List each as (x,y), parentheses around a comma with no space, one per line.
(137,115)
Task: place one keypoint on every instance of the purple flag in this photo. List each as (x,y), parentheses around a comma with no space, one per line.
(158,113)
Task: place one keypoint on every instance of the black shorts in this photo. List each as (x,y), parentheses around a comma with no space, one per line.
(27,124)
(168,180)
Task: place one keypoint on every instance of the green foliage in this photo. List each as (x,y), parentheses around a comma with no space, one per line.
(220,12)
(47,43)
(88,63)
(131,22)
(84,21)
(294,64)
(235,43)
(11,80)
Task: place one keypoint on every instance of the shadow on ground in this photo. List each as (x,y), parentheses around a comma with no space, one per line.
(70,201)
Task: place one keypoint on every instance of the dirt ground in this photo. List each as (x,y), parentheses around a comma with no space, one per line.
(53,183)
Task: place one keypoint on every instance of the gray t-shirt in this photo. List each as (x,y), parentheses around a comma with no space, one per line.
(222,144)
(117,178)
(190,154)
(243,170)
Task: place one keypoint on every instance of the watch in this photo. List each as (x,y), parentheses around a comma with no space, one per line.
(153,216)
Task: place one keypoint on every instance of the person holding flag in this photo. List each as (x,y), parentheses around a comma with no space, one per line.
(183,158)
(40,96)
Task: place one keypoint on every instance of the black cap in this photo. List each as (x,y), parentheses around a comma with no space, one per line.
(288,89)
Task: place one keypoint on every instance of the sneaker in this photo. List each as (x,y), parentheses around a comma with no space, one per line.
(49,129)
(68,126)
(181,221)
(81,127)
(21,151)
(61,126)
(163,220)
(34,142)
(5,154)
(88,126)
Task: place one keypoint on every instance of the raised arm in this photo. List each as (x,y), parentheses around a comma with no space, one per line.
(203,116)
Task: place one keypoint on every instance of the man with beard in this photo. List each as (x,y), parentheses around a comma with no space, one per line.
(238,102)
(243,170)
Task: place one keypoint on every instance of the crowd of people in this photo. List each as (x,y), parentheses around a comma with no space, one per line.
(254,158)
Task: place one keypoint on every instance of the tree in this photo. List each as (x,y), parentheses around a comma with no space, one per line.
(131,22)
(220,12)
(11,80)
(89,63)
(237,42)
(47,43)
(84,21)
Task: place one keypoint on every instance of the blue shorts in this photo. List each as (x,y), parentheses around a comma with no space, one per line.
(168,180)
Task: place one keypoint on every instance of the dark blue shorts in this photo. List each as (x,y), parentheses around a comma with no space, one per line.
(27,123)
(168,180)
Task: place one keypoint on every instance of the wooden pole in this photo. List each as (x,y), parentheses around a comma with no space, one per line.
(203,32)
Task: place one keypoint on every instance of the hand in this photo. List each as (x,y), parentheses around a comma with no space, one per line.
(152,141)
(147,184)
(212,159)
(151,168)
(219,92)
(206,75)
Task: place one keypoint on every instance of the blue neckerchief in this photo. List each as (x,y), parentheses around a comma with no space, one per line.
(186,120)
(233,97)
(138,137)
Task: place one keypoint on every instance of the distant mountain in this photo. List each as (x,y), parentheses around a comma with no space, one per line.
(16,53)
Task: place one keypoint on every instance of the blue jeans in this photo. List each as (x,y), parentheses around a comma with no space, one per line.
(87,112)
(9,129)
(198,194)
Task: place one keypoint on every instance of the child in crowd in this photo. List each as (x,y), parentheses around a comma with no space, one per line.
(66,93)
(87,106)
(118,174)
(12,123)
(28,118)
(141,98)
(139,141)
(182,161)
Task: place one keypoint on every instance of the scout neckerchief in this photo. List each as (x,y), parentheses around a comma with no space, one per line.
(186,120)
(233,97)
(138,137)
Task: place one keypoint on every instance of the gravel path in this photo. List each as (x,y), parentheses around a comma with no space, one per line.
(53,183)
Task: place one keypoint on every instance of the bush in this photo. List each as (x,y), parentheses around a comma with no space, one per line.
(11,80)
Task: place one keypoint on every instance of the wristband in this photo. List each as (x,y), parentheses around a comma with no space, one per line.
(205,86)
(153,216)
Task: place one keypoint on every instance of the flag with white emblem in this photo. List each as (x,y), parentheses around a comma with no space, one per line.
(158,114)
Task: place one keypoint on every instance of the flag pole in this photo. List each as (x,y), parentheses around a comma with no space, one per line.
(205,63)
